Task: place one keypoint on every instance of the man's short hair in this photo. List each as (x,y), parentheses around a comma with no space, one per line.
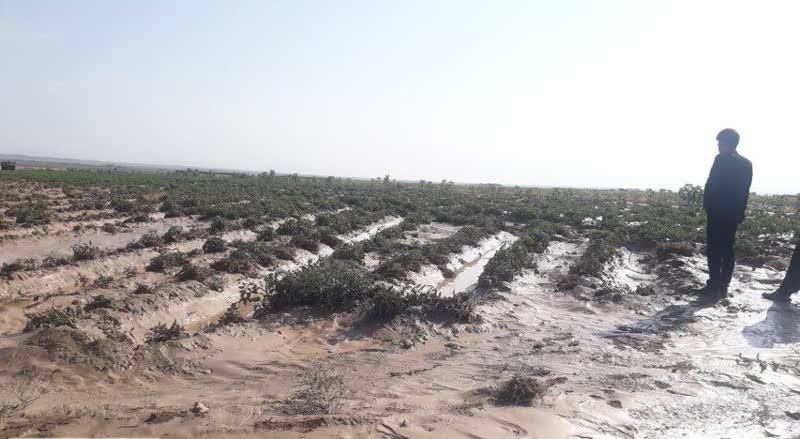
(729,136)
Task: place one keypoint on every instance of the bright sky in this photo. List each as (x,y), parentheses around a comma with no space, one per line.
(550,93)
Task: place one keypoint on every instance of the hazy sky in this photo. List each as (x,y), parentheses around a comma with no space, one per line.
(572,93)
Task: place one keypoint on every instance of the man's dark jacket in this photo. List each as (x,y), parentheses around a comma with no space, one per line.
(728,188)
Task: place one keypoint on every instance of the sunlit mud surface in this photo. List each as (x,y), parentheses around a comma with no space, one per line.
(59,245)
(665,365)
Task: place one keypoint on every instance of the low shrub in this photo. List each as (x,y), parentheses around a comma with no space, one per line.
(329,238)
(85,252)
(173,234)
(511,260)
(217,225)
(52,318)
(191,271)
(351,252)
(293,226)
(166,261)
(424,300)
(602,248)
(284,252)
(34,214)
(50,262)
(215,245)
(237,262)
(332,283)
(18,265)
(148,240)
(268,234)
(398,266)
(307,240)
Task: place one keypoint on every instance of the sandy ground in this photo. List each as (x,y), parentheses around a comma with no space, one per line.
(661,366)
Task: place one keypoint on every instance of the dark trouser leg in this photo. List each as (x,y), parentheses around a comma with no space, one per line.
(791,282)
(728,239)
(713,255)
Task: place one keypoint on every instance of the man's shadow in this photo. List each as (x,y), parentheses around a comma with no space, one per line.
(780,326)
(672,317)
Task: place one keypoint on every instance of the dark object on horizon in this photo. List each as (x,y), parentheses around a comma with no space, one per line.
(725,200)
(8,166)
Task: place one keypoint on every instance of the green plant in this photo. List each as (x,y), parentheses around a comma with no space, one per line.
(352,252)
(34,214)
(217,225)
(215,245)
(166,261)
(85,252)
(173,234)
(191,271)
(149,239)
(332,283)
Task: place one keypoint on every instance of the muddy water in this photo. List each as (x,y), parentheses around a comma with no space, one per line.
(60,245)
(467,266)
(694,369)
(427,233)
(371,230)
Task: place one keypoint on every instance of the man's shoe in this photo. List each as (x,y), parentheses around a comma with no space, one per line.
(708,290)
(778,296)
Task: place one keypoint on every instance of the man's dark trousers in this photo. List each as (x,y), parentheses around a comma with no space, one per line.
(720,237)
(791,282)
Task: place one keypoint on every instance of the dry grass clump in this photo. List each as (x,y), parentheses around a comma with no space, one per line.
(520,390)
(161,333)
(143,289)
(52,318)
(98,302)
(320,391)
(17,394)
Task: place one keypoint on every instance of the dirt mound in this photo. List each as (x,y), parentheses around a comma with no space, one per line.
(72,346)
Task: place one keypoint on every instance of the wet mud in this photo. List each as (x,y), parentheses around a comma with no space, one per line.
(657,363)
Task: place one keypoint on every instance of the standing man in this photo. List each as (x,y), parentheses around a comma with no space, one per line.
(724,201)
(791,282)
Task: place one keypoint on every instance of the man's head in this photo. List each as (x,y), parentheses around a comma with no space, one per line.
(727,141)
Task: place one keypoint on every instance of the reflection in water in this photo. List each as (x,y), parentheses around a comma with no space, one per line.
(781,326)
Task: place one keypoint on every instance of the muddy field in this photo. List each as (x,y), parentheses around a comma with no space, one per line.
(148,305)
